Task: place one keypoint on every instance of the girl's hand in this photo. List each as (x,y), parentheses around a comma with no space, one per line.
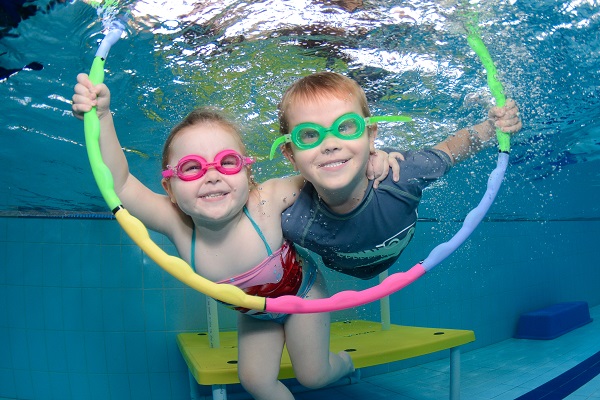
(87,96)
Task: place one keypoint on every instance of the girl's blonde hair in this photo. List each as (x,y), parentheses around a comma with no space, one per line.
(199,116)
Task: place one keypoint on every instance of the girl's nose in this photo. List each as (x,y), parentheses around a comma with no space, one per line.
(212,175)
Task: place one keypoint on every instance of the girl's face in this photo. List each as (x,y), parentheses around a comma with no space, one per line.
(214,197)
(336,167)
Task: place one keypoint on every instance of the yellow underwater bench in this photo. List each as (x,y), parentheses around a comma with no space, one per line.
(369,343)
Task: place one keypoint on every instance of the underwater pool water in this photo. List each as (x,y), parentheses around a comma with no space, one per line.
(85,315)
(411,57)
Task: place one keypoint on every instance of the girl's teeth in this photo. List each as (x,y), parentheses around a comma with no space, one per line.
(214,195)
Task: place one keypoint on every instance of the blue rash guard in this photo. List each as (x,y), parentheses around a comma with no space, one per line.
(369,239)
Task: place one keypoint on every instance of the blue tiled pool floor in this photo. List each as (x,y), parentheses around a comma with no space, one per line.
(503,371)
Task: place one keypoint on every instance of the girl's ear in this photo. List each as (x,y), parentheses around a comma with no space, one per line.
(287,152)
(166,184)
(251,182)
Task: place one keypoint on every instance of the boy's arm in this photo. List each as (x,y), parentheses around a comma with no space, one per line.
(467,142)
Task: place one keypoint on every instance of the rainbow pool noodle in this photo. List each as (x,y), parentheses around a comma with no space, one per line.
(285,304)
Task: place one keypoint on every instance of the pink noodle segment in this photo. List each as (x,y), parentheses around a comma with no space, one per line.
(346,299)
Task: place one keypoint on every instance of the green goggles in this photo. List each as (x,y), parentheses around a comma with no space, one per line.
(308,135)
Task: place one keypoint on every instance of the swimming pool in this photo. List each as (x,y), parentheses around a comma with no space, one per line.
(85,315)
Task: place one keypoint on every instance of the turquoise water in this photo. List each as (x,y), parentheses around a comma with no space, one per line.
(83,314)
(241,57)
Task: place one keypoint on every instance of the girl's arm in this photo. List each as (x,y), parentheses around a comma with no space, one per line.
(153,209)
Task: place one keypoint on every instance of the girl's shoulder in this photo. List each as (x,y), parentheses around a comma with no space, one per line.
(180,231)
(279,193)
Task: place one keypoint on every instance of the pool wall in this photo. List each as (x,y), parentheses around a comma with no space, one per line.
(85,315)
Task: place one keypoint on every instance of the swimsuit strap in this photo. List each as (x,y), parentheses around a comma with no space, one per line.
(193,255)
(258,231)
(193,252)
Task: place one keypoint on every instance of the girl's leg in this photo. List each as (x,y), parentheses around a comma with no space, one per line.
(259,356)
(307,339)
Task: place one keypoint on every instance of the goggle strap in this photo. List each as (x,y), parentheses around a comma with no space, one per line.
(280,141)
(388,118)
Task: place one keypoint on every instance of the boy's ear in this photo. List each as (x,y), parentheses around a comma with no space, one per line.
(285,149)
(166,184)
(372,130)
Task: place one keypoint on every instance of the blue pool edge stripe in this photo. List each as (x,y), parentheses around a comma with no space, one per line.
(567,382)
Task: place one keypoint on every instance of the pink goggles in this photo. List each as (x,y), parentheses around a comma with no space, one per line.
(192,167)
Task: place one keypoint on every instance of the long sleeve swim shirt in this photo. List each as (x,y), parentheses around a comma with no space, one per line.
(370,238)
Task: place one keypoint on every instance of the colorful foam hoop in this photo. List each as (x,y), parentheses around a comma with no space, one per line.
(285,304)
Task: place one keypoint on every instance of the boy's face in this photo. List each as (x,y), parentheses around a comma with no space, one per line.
(336,167)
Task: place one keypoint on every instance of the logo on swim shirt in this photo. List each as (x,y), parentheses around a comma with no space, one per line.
(390,248)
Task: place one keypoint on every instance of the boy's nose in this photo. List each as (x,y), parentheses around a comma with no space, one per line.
(330,143)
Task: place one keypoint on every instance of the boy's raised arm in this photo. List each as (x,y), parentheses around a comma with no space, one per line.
(469,141)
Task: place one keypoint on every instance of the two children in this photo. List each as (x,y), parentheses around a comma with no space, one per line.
(229,229)
(226,226)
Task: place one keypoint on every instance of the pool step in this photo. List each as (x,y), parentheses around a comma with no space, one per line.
(553,321)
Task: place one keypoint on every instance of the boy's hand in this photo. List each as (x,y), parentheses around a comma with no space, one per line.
(87,96)
(379,166)
(506,118)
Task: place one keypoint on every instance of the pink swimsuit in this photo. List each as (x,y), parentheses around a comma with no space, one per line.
(283,272)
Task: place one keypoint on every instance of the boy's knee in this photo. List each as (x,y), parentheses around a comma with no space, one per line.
(312,379)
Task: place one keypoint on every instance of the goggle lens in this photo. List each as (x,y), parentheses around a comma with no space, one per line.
(350,128)
(308,136)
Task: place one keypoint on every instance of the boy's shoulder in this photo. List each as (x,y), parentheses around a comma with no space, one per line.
(422,155)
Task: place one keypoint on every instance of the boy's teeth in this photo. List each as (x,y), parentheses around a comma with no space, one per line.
(335,164)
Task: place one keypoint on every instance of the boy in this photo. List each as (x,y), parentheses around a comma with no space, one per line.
(355,229)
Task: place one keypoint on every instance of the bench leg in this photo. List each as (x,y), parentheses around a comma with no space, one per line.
(194,389)
(219,392)
(454,373)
